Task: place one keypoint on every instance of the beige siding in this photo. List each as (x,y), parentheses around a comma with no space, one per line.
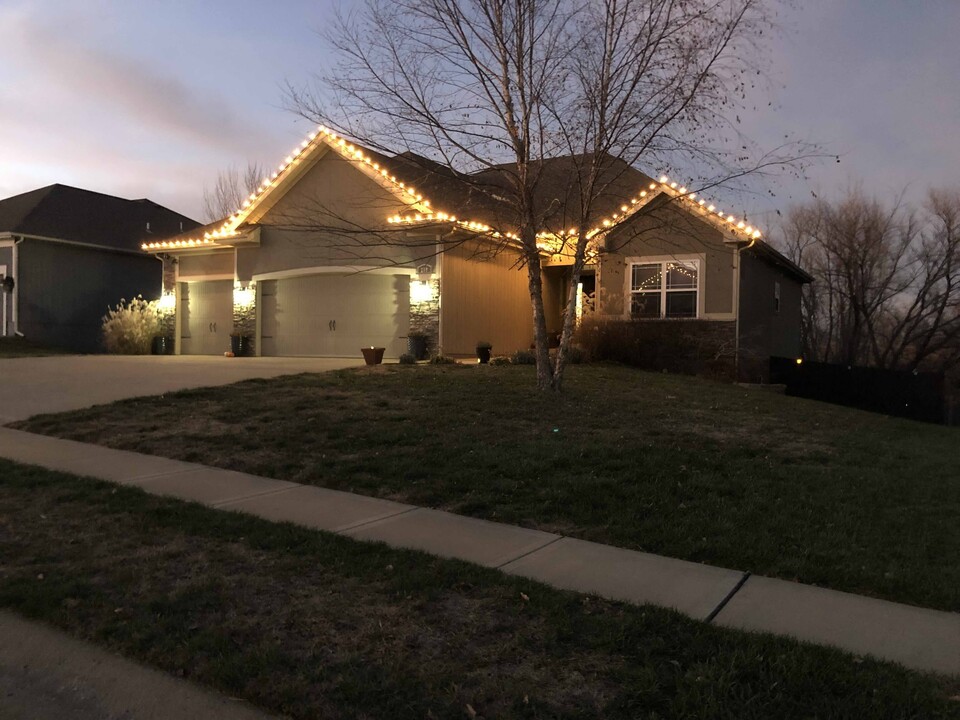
(197,267)
(669,232)
(484,299)
(301,229)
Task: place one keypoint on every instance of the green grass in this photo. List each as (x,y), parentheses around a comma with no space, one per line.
(673,465)
(314,625)
(11,347)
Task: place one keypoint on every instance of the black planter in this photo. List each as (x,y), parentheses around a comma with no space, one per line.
(162,345)
(240,345)
(483,354)
(417,346)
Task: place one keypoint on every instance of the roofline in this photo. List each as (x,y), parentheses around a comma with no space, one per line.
(61,241)
(782,260)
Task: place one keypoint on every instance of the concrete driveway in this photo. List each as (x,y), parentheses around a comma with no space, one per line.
(30,386)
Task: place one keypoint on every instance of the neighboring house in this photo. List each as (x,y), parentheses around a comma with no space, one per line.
(71,253)
(344,248)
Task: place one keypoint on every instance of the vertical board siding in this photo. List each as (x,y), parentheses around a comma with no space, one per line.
(65,290)
(484,299)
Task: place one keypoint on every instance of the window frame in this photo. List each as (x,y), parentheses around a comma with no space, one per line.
(663,261)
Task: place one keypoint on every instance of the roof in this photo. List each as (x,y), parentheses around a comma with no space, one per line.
(778,259)
(433,194)
(69,213)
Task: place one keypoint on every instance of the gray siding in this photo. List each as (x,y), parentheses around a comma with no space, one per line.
(64,290)
(663,233)
(764,331)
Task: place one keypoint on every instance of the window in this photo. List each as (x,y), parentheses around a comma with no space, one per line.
(776,297)
(664,289)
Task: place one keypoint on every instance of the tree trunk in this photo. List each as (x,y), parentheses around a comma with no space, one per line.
(569,320)
(541,342)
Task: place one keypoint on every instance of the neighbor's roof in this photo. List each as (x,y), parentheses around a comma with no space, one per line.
(68,213)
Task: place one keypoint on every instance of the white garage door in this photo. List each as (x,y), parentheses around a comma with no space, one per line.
(206,317)
(335,315)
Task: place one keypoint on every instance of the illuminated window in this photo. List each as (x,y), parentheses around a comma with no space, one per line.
(664,289)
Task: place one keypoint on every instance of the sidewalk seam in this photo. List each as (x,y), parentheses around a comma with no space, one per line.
(223,504)
(728,597)
(364,523)
(528,553)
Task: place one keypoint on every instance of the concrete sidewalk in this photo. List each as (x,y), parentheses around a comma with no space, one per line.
(47,675)
(918,638)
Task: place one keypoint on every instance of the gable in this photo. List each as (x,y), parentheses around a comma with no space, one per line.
(332,192)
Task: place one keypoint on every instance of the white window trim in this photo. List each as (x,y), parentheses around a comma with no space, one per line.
(698,258)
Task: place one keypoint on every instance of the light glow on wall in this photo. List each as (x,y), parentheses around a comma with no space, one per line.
(244,297)
(167,303)
(421,292)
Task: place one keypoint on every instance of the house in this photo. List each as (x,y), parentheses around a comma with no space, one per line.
(67,254)
(343,248)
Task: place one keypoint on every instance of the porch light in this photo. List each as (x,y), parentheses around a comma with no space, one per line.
(244,297)
(421,292)
(167,303)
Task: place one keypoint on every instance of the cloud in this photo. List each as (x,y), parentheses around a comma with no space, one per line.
(57,69)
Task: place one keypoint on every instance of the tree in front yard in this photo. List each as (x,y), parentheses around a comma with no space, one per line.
(497,88)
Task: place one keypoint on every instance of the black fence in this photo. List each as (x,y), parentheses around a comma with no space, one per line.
(918,396)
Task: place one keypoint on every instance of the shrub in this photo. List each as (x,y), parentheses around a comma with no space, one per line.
(442,360)
(129,328)
(524,357)
(576,355)
(484,345)
(500,360)
(408,359)
(693,347)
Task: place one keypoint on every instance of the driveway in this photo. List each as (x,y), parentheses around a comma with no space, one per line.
(30,386)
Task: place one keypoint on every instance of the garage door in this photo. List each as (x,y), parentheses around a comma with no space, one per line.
(335,315)
(206,317)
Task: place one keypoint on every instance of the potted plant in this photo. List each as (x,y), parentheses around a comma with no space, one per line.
(483,351)
(239,345)
(417,342)
(373,355)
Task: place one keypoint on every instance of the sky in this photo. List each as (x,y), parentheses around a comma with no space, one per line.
(153,98)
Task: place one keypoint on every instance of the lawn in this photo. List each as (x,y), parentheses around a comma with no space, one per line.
(12,347)
(314,625)
(674,465)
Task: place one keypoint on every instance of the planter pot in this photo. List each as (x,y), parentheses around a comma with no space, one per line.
(417,346)
(483,354)
(240,345)
(372,355)
(162,345)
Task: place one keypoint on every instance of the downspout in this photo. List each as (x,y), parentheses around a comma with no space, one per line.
(736,339)
(16,287)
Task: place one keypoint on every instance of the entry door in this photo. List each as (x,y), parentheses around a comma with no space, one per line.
(207,317)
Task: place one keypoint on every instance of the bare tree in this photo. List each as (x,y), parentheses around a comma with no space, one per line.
(230,190)
(887,280)
(496,88)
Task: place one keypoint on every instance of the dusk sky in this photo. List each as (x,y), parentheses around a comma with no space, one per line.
(152,99)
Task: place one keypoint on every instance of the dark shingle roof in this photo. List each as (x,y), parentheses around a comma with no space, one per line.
(69,213)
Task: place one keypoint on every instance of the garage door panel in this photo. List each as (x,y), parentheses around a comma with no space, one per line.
(338,314)
(206,317)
